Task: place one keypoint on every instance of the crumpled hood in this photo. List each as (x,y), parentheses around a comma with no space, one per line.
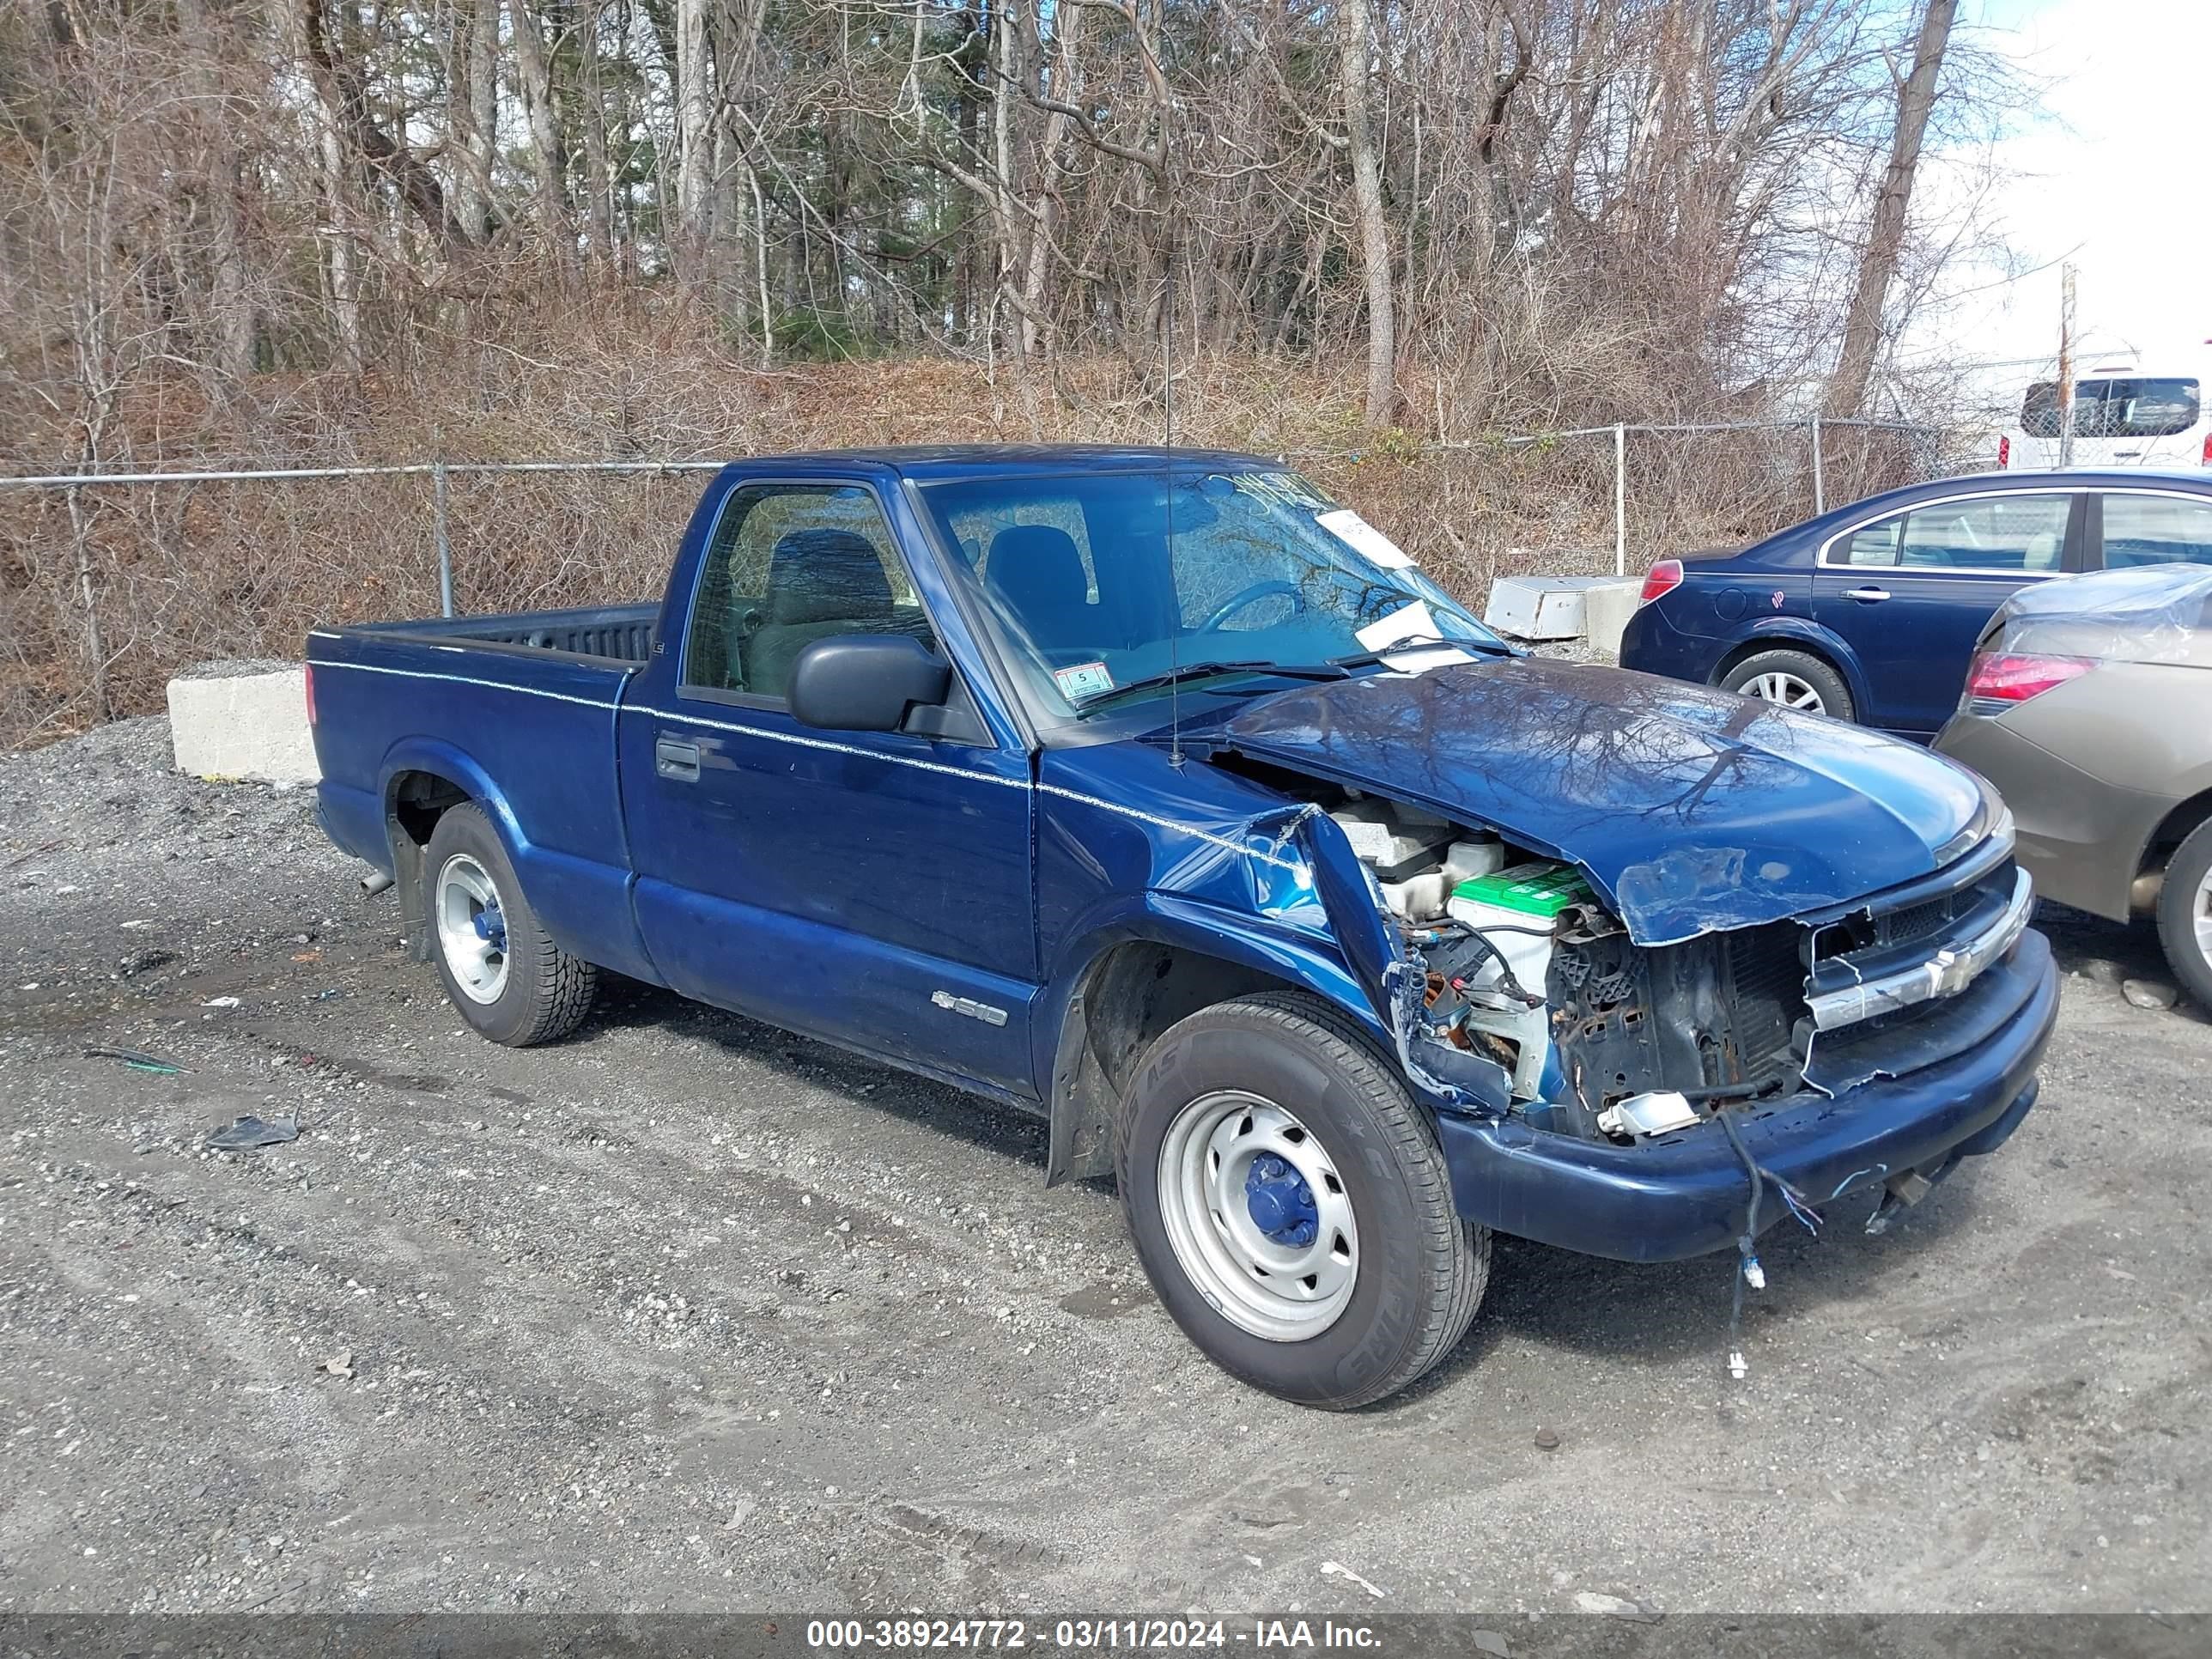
(1692,809)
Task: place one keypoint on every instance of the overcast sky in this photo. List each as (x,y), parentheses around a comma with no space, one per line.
(2115,174)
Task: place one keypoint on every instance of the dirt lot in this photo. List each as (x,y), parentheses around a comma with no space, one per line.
(685,1314)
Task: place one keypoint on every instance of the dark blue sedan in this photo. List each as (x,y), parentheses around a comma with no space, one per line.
(1870,611)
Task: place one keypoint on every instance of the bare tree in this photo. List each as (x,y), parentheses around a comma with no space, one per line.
(547,142)
(1862,322)
(477,146)
(1355,46)
(309,229)
(695,98)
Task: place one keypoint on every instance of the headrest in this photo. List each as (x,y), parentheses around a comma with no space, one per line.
(1037,574)
(826,575)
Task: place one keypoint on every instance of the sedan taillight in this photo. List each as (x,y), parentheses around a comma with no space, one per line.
(310,677)
(2004,679)
(2004,453)
(1662,579)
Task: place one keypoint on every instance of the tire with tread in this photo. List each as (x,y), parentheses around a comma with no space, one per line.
(2177,919)
(548,992)
(1817,672)
(1422,1269)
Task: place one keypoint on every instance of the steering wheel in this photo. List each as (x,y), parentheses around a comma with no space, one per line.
(1251,595)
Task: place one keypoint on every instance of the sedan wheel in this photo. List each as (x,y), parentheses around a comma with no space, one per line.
(1787,690)
(1791,679)
(2184,914)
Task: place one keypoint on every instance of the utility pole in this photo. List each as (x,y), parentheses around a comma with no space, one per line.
(2066,367)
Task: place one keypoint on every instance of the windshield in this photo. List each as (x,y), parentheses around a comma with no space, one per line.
(2114,408)
(1077,574)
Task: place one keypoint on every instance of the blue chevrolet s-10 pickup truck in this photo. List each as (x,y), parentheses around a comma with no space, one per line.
(1150,792)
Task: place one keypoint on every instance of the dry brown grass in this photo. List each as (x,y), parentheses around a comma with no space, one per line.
(187,573)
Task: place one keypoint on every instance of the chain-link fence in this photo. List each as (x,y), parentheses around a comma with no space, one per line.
(111,581)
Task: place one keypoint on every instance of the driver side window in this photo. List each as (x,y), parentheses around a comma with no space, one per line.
(789,564)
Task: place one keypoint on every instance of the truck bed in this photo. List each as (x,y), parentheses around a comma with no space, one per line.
(397,702)
(617,633)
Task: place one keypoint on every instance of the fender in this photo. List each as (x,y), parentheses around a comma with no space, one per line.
(444,759)
(583,905)
(1798,631)
(2184,790)
(1082,1096)
(1300,961)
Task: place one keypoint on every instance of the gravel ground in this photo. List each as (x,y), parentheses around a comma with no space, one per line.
(686,1314)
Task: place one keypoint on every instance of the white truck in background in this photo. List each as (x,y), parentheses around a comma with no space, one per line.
(2129,410)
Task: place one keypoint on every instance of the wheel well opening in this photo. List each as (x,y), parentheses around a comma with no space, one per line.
(419,799)
(1131,995)
(1752,648)
(2174,828)
(1140,989)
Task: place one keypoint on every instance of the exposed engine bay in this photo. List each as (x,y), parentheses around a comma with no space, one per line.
(1511,956)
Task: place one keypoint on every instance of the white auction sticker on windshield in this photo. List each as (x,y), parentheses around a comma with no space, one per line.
(1409,622)
(1085,679)
(1365,539)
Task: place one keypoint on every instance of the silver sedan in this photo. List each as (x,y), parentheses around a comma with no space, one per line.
(2089,706)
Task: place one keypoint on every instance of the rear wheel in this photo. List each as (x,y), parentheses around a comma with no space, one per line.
(2185,913)
(1291,1205)
(501,972)
(1795,679)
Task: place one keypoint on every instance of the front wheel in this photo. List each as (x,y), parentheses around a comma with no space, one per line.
(1291,1205)
(1795,679)
(503,973)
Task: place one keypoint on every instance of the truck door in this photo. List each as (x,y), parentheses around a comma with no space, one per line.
(1910,592)
(873,889)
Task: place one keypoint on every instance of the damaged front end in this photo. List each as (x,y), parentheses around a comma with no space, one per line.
(1513,991)
(1649,951)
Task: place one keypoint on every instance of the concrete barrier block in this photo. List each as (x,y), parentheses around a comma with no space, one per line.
(1541,607)
(243,720)
(1605,610)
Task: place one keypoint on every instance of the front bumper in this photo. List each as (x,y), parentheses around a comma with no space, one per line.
(1684,1194)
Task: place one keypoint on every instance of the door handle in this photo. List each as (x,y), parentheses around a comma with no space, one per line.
(1871,595)
(677,758)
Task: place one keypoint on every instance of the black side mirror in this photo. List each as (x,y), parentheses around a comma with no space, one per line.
(866,682)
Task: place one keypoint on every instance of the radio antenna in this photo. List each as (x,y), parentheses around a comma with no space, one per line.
(1167,479)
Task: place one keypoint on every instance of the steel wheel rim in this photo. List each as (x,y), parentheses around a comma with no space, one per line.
(1273,1284)
(471,928)
(1786,689)
(2200,915)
